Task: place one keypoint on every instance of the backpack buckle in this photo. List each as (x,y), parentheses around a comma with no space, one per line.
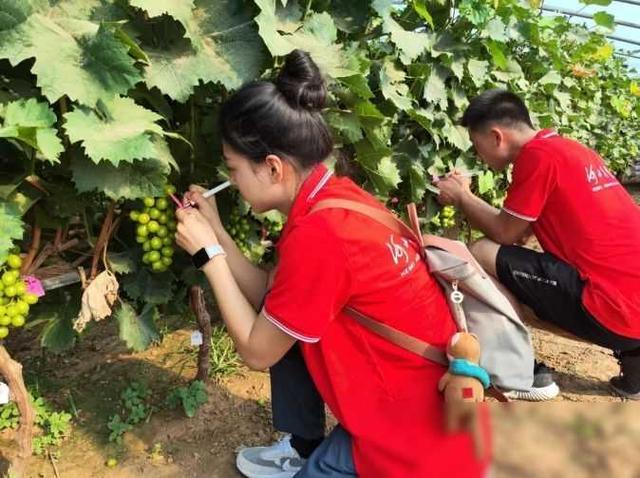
(456,296)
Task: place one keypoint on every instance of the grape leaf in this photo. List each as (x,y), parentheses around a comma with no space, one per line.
(137,330)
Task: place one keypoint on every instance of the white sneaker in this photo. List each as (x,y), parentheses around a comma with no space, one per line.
(544,387)
(279,460)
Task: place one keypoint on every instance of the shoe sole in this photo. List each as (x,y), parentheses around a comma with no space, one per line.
(248,469)
(623,394)
(538,394)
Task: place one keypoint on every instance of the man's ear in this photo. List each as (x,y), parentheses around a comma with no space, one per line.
(275,167)
(498,136)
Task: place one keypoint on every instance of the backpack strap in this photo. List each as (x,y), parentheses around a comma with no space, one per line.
(406,341)
(381,216)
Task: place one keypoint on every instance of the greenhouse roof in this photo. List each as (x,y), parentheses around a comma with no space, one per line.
(625,34)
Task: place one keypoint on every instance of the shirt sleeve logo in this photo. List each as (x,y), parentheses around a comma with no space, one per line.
(398,251)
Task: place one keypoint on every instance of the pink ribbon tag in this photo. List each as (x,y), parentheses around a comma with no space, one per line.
(34,286)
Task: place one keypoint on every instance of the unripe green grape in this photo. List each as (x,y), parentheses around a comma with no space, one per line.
(14,261)
(169,189)
(166,261)
(134,215)
(167,251)
(144,218)
(141,239)
(156,243)
(142,230)
(153,226)
(4,332)
(21,287)
(146,246)
(30,299)
(158,266)
(23,307)
(167,241)
(18,321)
(10,291)
(154,256)
(5,320)
(163,218)
(154,213)
(162,231)
(149,201)
(162,203)
(8,279)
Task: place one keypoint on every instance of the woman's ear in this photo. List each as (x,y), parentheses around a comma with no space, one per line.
(275,167)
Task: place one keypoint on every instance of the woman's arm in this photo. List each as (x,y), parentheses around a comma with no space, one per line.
(251,279)
(259,342)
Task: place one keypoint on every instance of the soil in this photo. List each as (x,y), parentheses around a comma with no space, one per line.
(585,432)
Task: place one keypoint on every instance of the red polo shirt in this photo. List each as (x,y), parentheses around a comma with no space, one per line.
(581,214)
(384,396)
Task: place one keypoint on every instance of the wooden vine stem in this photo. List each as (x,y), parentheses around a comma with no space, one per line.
(199,308)
(33,250)
(103,239)
(12,373)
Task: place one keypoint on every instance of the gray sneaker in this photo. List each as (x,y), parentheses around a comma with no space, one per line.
(544,387)
(279,460)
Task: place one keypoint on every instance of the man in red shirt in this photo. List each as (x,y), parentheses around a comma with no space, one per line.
(587,281)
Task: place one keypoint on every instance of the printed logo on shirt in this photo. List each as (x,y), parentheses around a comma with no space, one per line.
(400,255)
(599,177)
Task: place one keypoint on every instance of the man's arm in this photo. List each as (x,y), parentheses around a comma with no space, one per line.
(497,225)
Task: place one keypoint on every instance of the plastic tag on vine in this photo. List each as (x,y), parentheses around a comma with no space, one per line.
(4,393)
(34,286)
(196,338)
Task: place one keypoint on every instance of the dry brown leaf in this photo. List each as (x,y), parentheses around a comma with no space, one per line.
(97,300)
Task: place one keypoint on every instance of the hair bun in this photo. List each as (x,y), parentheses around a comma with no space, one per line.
(301,82)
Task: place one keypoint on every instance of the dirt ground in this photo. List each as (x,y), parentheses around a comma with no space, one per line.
(585,432)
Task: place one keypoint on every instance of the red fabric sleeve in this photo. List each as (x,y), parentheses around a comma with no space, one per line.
(311,284)
(534,178)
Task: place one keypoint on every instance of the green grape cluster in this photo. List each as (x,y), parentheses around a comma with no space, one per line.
(448,217)
(239,230)
(272,228)
(155,230)
(15,301)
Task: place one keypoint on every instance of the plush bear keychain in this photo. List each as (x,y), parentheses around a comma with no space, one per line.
(463,386)
(464,353)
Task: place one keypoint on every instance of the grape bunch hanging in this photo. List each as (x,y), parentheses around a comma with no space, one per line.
(15,300)
(155,231)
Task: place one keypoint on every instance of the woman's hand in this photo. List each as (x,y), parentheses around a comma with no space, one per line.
(194,230)
(207,207)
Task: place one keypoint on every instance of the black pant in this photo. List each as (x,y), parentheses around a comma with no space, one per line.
(296,404)
(553,289)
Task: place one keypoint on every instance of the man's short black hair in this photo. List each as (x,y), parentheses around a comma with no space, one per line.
(496,106)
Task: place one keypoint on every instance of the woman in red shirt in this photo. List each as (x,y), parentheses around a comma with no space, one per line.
(385,399)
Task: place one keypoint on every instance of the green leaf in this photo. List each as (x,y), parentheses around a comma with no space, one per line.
(122,262)
(602,3)
(485,182)
(64,49)
(478,71)
(497,54)
(551,78)
(378,165)
(225,48)
(435,90)
(58,335)
(411,44)
(316,35)
(496,30)
(10,228)
(137,331)
(457,67)
(358,85)
(128,180)
(122,132)
(456,135)
(148,287)
(347,124)
(421,9)
(605,20)
(32,123)
(393,87)
(181,10)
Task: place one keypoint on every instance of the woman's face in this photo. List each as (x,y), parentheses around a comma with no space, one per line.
(259,183)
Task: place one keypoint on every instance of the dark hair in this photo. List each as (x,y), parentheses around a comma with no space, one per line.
(281,117)
(496,106)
